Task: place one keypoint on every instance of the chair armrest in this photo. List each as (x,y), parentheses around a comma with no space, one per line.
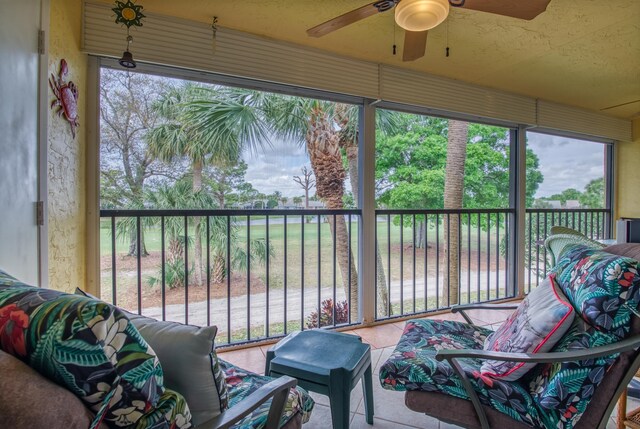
(570,356)
(278,389)
(451,356)
(463,308)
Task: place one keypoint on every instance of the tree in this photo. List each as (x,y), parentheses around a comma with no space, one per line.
(593,196)
(297,200)
(329,132)
(224,180)
(411,172)
(208,125)
(566,195)
(180,196)
(307,182)
(314,123)
(458,133)
(126,114)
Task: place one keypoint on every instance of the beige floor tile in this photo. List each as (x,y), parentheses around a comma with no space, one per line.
(386,352)
(389,406)
(356,398)
(320,418)
(380,336)
(251,359)
(359,422)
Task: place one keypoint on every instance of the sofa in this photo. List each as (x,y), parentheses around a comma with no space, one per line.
(73,361)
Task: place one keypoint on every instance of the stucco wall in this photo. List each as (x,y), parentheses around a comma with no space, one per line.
(66,173)
(628,175)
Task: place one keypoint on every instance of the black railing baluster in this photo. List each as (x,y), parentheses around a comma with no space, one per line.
(537,249)
(544,248)
(186,270)
(389,263)
(530,250)
(208,272)
(426,262)
(114,294)
(448,244)
(302,219)
(459,260)
(333,310)
(414,261)
(507,265)
(267,261)
(319,220)
(437,261)
(498,255)
(401,264)
(284,280)
(478,234)
(139,261)
(488,256)
(163,269)
(349,274)
(248,277)
(468,258)
(228,279)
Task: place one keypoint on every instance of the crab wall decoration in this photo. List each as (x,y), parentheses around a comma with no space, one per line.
(66,97)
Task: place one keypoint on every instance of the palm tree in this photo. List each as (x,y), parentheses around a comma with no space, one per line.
(206,125)
(453,194)
(180,196)
(329,131)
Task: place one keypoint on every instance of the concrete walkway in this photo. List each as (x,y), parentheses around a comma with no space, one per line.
(295,302)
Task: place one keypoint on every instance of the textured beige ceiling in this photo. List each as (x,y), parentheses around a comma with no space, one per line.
(584,53)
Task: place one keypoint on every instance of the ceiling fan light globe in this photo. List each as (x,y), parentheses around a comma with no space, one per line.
(421,15)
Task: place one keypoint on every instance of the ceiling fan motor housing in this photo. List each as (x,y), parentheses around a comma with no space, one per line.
(421,15)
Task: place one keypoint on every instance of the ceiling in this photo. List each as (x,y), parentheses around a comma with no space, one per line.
(584,53)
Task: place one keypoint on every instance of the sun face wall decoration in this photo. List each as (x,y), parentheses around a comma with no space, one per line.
(129,14)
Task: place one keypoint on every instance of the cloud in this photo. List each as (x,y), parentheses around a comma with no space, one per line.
(566,163)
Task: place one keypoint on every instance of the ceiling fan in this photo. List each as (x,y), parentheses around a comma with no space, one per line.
(417,17)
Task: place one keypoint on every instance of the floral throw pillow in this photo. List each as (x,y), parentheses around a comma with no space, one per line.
(604,288)
(542,318)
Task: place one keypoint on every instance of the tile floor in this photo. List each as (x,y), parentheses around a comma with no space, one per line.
(390,411)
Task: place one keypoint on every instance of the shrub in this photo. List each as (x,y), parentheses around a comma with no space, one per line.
(327,309)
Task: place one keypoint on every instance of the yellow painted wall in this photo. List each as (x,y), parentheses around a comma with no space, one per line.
(66,166)
(628,175)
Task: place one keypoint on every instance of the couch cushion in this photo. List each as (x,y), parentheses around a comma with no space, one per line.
(604,288)
(630,250)
(562,391)
(28,400)
(190,364)
(242,383)
(412,366)
(85,345)
(540,321)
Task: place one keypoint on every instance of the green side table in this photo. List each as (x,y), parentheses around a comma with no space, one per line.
(329,363)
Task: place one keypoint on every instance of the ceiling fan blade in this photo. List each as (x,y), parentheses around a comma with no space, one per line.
(343,20)
(415,43)
(527,9)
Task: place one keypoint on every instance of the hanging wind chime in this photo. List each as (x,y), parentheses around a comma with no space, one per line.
(128,14)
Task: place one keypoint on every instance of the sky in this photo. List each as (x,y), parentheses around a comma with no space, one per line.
(566,163)
(272,168)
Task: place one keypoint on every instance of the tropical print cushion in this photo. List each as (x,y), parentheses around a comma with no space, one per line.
(562,391)
(170,412)
(412,366)
(604,288)
(242,383)
(85,345)
(540,321)
(188,360)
